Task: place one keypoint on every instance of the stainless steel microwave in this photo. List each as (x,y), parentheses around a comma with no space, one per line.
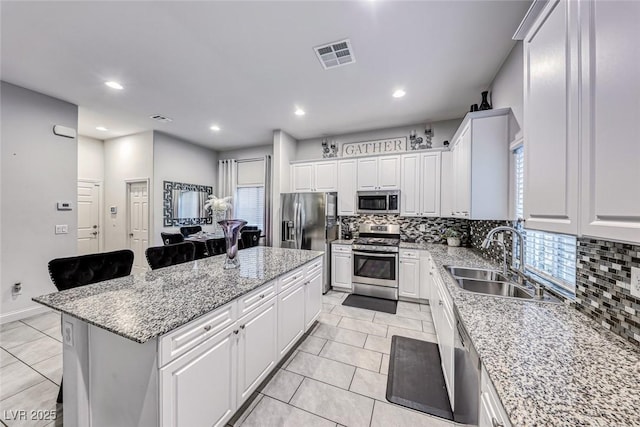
(378,202)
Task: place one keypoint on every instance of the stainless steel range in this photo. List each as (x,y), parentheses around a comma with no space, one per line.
(375,261)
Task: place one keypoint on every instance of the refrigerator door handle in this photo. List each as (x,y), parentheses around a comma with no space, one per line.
(296,224)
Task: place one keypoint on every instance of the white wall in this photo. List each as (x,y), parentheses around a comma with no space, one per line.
(179,160)
(507,89)
(246,153)
(284,149)
(38,170)
(311,149)
(125,158)
(90,158)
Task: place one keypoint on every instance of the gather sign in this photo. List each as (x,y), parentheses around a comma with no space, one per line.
(380,146)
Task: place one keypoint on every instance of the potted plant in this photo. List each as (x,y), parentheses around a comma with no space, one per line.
(453,236)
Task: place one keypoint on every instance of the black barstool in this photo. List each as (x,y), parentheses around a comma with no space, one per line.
(165,256)
(188,231)
(216,246)
(171,238)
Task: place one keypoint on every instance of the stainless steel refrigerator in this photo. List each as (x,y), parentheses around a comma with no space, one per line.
(309,221)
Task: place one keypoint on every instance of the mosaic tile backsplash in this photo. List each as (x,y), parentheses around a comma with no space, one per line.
(603,288)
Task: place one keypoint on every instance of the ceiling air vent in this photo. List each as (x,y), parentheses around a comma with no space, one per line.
(335,54)
(160,118)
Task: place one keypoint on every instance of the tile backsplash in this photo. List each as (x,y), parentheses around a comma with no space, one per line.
(478,232)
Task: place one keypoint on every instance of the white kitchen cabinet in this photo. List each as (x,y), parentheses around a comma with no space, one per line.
(378,173)
(420,185)
(347,187)
(199,388)
(290,318)
(446,184)
(444,322)
(320,176)
(312,298)
(341,267)
(610,64)
(480,166)
(409,274)
(426,276)
(551,139)
(257,347)
(492,413)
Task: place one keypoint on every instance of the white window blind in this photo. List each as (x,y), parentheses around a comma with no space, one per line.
(549,255)
(250,205)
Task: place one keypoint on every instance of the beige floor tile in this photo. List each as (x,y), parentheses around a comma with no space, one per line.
(327,308)
(283,385)
(40,397)
(6,358)
(428,327)
(38,350)
(54,332)
(312,345)
(43,321)
(370,384)
(291,357)
(17,377)
(356,356)
(414,314)
(397,321)
(329,319)
(406,305)
(425,307)
(419,335)
(363,326)
(10,325)
(271,412)
(387,415)
(322,369)
(247,407)
(353,312)
(341,406)
(18,335)
(337,294)
(384,366)
(345,336)
(50,368)
(380,344)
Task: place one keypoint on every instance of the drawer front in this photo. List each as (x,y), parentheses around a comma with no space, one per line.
(183,339)
(256,298)
(288,280)
(489,397)
(313,267)
(409,253)
(345,249)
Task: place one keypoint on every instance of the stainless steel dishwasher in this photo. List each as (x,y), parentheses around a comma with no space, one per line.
(466,377)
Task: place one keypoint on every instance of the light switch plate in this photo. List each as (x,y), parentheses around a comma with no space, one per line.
(67,334)
(62,229)
(635,282)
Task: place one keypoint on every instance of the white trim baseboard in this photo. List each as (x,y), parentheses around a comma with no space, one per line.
(22,314)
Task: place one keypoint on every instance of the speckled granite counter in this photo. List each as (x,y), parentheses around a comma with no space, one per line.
(550,364)
(342,242)
(144,306)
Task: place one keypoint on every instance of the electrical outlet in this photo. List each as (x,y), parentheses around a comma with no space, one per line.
(422,227)
(62,229)
(16,289)
(67,334)
(635,282)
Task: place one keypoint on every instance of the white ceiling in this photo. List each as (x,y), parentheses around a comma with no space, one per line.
(246,65)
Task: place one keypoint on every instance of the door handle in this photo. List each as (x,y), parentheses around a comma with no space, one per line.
(130,234)
(95,233)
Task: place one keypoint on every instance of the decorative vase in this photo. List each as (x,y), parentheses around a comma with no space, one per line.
(231,229)
(453,241)
(484,105)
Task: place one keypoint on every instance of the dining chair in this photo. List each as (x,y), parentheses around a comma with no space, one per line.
(167,255)
(192,229)
(216,246)
(170,238)
(72,272)
(250,238)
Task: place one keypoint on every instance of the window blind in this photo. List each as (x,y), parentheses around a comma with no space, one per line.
(250,205)
(549,255)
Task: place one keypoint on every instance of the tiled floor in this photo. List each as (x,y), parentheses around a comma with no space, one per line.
(30,371)
(338,374)
(336,377)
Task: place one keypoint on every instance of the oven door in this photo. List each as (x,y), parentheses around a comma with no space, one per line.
(373,203)
(375,268)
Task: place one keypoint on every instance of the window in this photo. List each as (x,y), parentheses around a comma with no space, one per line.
(250,205)
(551,256)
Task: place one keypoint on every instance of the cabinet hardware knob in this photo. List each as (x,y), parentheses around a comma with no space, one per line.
(207,328)
(496,423)
(242,326)
(440,302)
(261,295)
(236,331)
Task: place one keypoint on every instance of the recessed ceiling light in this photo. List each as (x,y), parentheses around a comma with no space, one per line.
(114,85)
(399,93)
(215,128)
(299,112)
(102,128)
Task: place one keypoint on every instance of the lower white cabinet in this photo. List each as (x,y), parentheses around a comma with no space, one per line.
(312,298)
(444,322)
(341,267)
(426,277)
(290,318)
(492,413)
(257,347)
(409,278)
(199,389)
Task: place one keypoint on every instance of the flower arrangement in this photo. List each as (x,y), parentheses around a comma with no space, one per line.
(216,204)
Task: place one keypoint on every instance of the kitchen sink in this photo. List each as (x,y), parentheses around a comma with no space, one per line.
(477,273)
(490,287)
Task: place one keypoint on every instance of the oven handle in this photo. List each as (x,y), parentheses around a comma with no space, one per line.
(378,254)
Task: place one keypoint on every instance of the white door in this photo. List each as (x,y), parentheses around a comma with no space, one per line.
(313,298)
(138,227)
(430,184)
(198,389)
(302,176)
(341,271)
(347,187)
(290,318)
(409,186)
(88,217)
(257,347)
(368,174)
(389,173)
(326,176)
(409,278)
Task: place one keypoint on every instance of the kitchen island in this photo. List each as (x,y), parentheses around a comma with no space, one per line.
(184,345)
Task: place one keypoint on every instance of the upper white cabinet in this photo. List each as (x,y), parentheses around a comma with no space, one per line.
(319,176)
(610,63)
(378,173)
(446,184)
(480,167)
(347,184)
(551,118)
(420,184)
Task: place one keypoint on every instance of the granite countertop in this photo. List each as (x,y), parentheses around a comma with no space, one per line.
(144,306)
(550,364)
(342,242)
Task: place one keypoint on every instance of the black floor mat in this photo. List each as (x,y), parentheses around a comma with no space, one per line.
(371,303)
(415,377)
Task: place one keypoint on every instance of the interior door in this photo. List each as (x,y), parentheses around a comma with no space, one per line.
(88,217)
(138,226)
